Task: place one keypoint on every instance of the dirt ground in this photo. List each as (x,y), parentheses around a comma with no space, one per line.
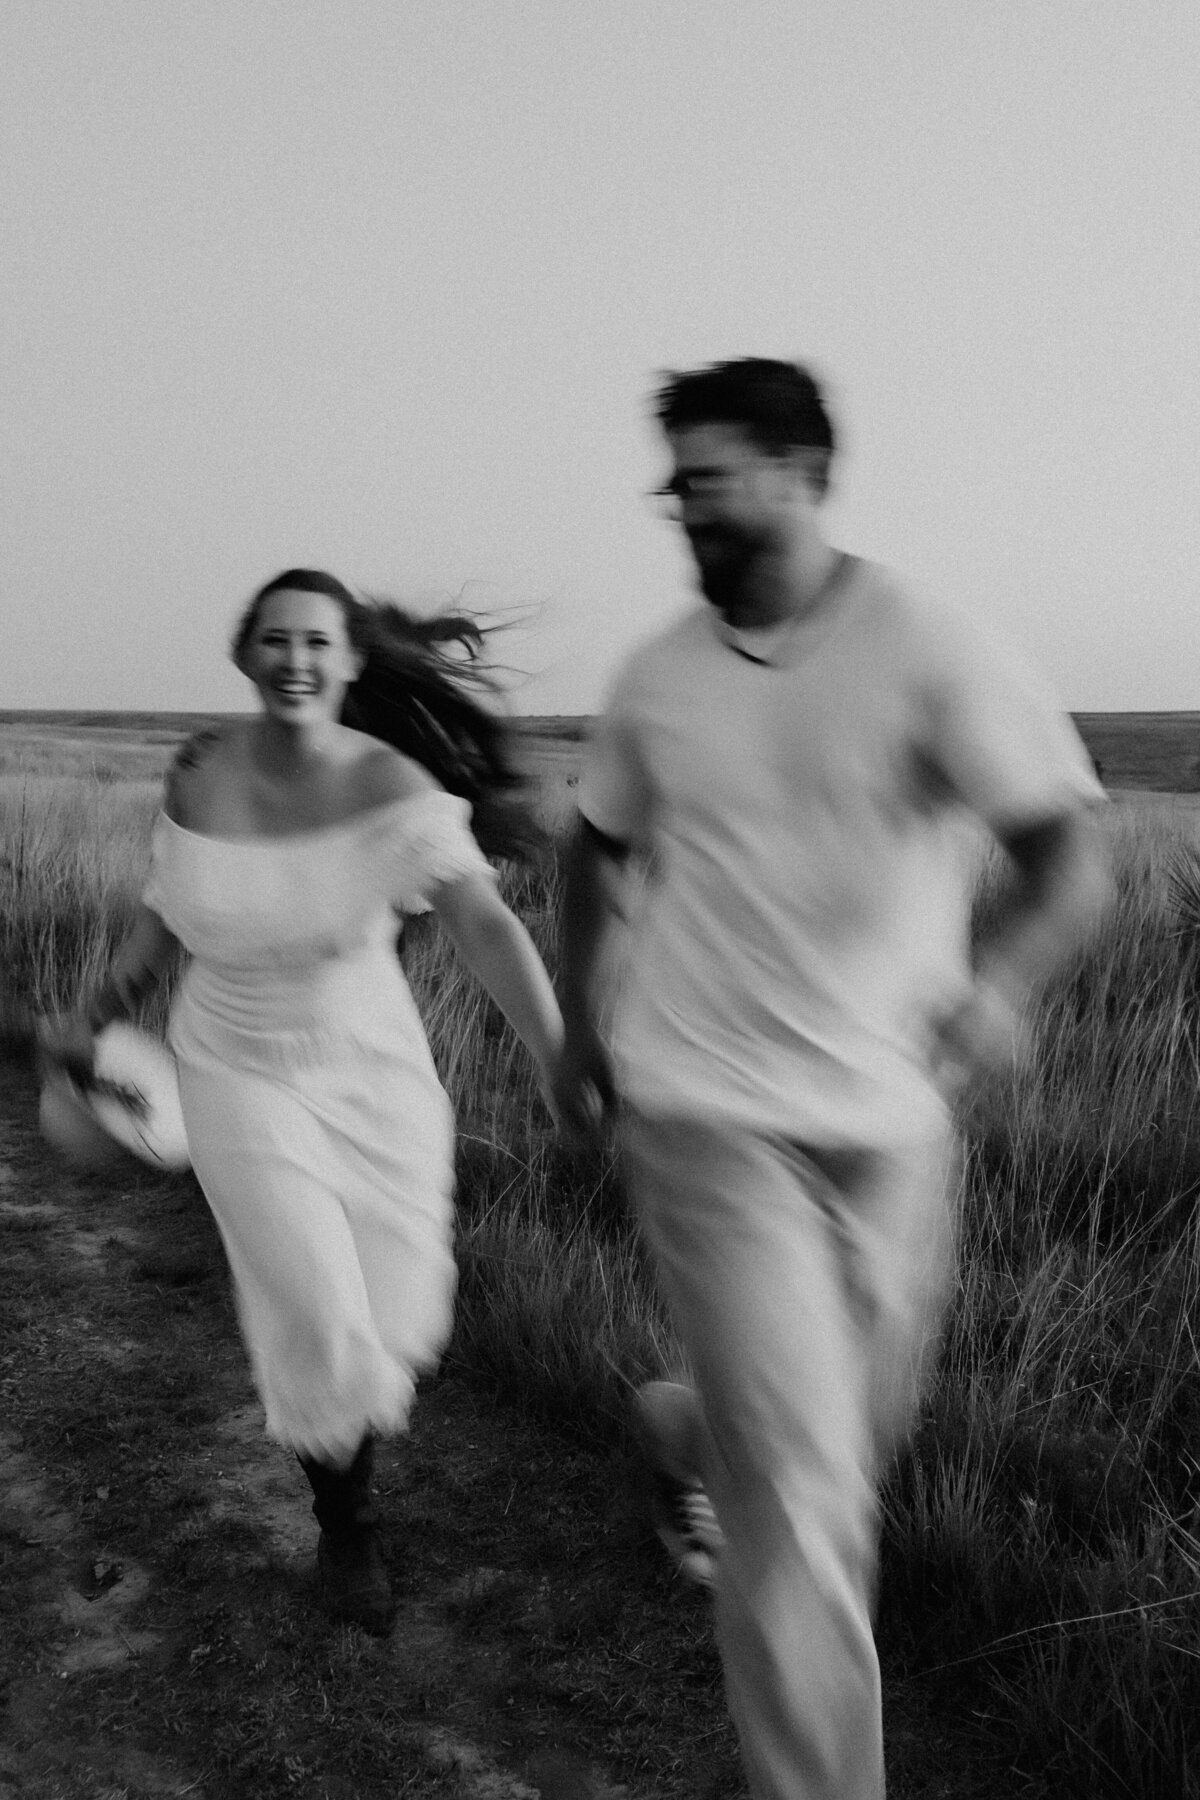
(160,1636)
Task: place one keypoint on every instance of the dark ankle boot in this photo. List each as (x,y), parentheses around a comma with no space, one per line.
(353,1582)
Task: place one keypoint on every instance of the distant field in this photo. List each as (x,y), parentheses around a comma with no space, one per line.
(138,746)
(1157,752)
(118,746)
(109,746)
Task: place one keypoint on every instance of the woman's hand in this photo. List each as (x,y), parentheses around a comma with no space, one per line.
(68,1041)
(584,1087)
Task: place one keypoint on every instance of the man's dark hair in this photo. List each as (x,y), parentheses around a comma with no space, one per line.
(777,404)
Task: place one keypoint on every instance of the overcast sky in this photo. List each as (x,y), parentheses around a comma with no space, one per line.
(383,285)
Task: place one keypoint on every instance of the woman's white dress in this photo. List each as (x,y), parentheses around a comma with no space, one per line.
(316,1123)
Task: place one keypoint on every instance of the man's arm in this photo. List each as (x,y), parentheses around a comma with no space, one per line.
(1058,891)
(584,1088)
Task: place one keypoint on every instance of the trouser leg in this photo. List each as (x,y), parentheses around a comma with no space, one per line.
(788,1290)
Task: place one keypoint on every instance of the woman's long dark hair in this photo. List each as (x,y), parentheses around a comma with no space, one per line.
(421,690)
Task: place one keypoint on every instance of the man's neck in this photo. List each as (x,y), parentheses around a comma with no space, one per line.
(784,590)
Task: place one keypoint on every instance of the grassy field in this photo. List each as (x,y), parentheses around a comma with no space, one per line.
(1041,1580)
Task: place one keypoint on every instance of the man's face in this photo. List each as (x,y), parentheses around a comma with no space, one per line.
(734,502)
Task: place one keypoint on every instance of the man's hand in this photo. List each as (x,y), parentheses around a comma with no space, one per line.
(584,1089)
(983,1036)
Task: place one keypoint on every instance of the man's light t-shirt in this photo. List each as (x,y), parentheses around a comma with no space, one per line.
(805,907)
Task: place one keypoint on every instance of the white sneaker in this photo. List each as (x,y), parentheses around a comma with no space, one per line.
(687,1525)
(667,1426)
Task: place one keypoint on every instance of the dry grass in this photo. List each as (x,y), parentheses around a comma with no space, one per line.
(1042,1563)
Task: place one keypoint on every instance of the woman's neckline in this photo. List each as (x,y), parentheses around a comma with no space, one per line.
(309,832)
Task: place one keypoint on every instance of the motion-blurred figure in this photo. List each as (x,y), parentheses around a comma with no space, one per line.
(788,764)
(315,1120)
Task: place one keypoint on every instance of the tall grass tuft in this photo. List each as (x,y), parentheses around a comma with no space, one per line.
(555,1300)
(1042,1534)
(73,854)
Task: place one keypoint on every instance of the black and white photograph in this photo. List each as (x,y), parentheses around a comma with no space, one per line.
(600,900)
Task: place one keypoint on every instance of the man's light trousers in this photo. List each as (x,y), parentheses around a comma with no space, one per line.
(806,1287)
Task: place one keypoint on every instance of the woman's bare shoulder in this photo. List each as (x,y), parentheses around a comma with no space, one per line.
(197,765)
(383,775)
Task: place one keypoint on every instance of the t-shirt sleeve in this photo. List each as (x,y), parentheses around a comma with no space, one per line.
(614,791)
(432,846)
(998,737)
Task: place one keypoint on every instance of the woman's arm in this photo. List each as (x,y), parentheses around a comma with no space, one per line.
(136,969)
(585,1088)
(497,948)
(145,956)
(148,948)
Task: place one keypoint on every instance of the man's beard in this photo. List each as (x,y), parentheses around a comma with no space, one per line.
(726,567)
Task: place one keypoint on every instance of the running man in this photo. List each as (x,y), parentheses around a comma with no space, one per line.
(789,765)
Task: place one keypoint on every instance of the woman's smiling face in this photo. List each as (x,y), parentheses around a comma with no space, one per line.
(299,657)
